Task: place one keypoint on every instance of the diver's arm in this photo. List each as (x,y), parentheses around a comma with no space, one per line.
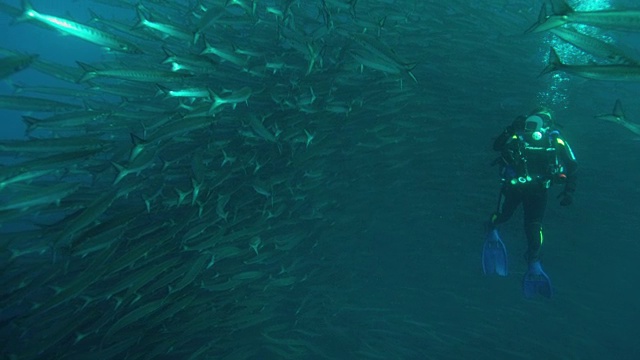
(570,165)
(501,140)
(509,131)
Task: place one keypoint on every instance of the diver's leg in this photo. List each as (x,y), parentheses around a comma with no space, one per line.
(535,280)
(511,198)
(534,204)
(494,252)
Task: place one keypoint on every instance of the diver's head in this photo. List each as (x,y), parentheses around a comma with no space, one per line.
(538,122)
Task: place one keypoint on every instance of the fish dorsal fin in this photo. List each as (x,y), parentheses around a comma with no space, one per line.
(542,17)
(617,110)
(560,7)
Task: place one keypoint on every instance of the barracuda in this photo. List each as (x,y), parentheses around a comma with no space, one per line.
(593,45)
(78,30)
(12,64)
(626,20)
(627,73)
(141,75)
(618,117)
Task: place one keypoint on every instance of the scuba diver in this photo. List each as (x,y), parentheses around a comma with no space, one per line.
(533,157)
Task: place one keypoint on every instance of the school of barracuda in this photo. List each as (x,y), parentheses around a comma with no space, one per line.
(179,199)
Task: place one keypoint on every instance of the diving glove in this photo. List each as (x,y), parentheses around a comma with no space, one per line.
(565,198)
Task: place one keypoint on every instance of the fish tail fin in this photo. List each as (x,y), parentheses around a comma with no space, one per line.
(170,55)
(137,140)
(26,5)
(207,46)
(27,12)
(142,19)
(163,90)
(409,68)
(217,101)
(546,22)
(32,123)
(17,88)
(412,76)
(89,72)
(122,172)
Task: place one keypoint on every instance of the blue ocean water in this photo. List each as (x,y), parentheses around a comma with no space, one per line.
(354,235)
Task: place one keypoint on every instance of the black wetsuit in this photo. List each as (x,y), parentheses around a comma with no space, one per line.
(529,168)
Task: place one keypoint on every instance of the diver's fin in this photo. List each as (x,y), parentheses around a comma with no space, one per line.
(494,255)
(536,282)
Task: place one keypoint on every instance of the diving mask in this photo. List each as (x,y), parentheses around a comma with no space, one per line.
(534,125)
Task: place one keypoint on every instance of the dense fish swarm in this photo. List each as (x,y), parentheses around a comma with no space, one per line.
(186,197)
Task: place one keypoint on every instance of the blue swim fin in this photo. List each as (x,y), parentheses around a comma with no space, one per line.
(536,282)
(494,255)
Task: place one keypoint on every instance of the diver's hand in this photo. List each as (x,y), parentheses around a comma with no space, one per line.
(517,124)
(565,198)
